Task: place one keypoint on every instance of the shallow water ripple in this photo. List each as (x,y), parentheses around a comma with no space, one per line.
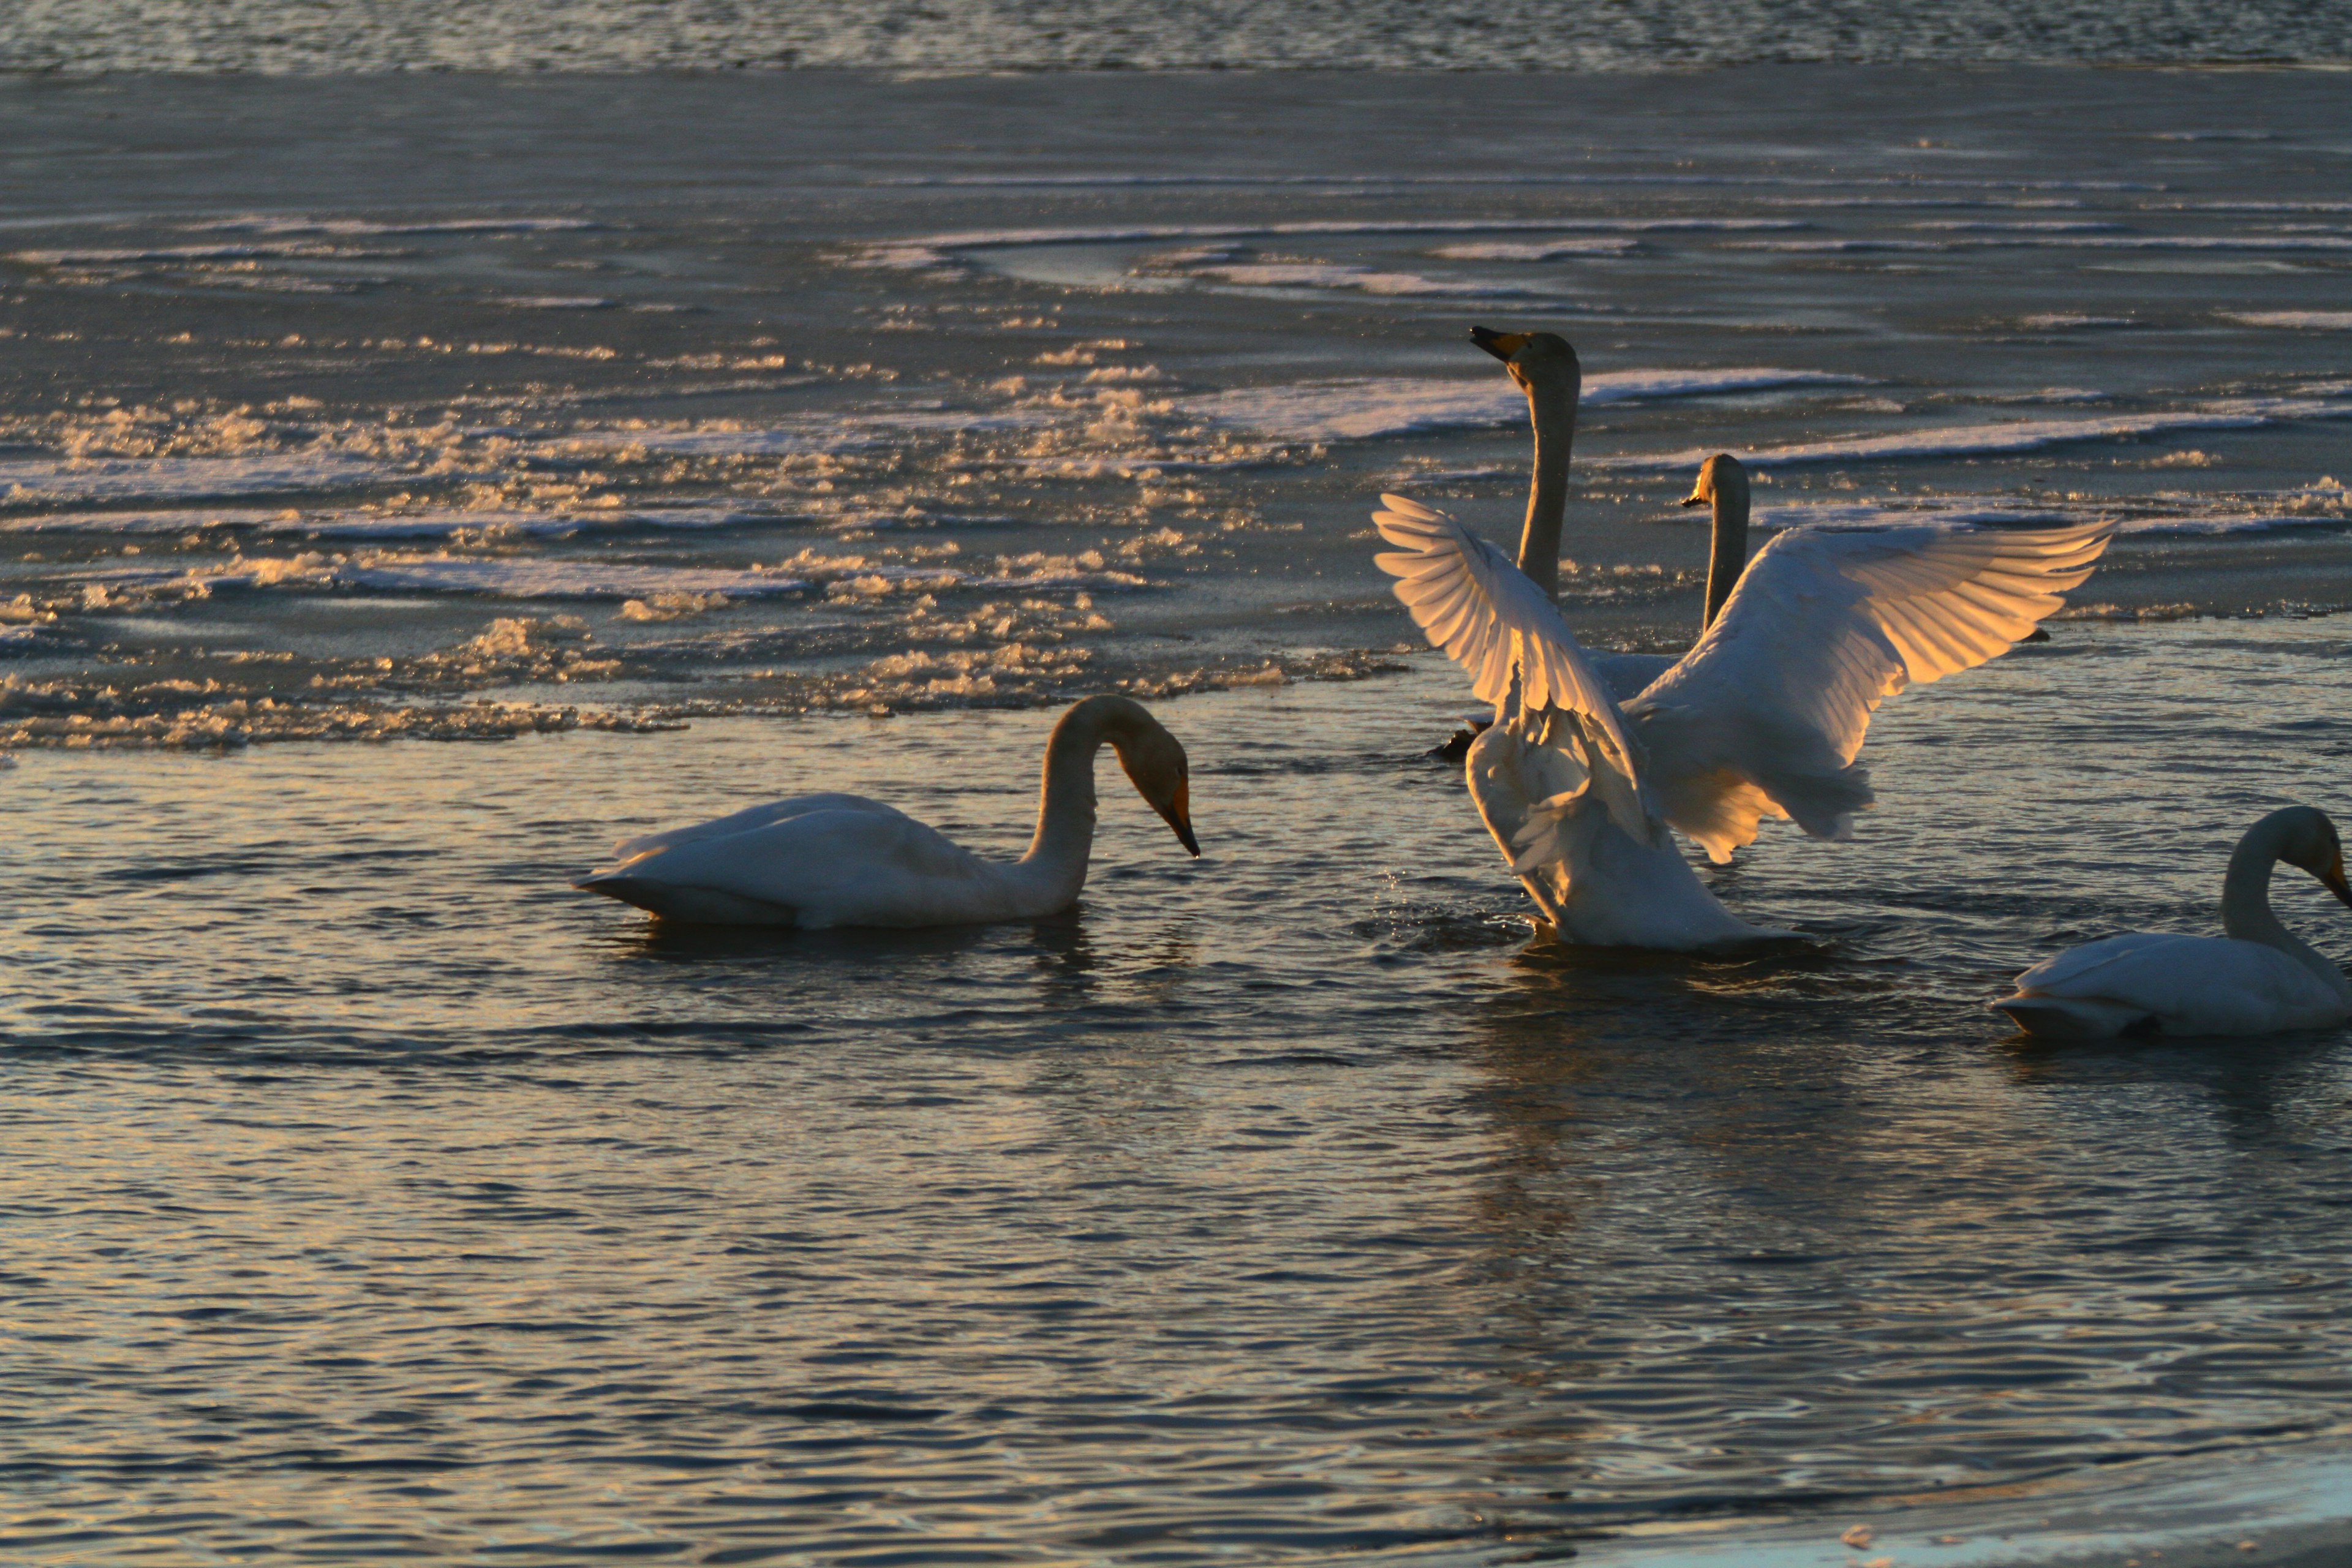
(372,1194)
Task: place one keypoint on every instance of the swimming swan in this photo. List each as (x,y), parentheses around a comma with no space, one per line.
(2257,980)
(821,861)
(1765,714)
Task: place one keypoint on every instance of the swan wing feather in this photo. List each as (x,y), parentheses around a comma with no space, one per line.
(1471,600)
(744,821)
(1766,713)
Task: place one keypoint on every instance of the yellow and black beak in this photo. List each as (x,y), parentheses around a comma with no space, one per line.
(1502,345)
(2333,880)
(1694,499)
(1179,817)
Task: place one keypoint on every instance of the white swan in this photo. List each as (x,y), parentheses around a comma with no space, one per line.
(1765,714)
(1555,777)
(822,861)
(2257,980)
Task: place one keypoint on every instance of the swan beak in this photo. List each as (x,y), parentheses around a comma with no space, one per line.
(1694,499)
(1502,345)
(2333,878)
(1179,817)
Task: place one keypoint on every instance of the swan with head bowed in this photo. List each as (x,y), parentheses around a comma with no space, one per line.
(1763,716)
(2257,979)
(821,861)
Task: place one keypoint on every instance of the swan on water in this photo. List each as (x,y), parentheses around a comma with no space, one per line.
(821,861)
(2257,980)
(1762,716)
(1555,777)
(1766,712)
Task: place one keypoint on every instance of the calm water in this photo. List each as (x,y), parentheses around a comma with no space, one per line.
(368,1191)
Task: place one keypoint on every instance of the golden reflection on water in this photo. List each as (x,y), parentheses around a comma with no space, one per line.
(362,1174)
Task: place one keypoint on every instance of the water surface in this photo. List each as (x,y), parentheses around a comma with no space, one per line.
(370,1192)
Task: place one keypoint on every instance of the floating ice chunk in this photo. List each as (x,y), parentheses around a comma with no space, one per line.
(527,579)
(935,250)
(2265,206)
(1537,250)
(554,301)
(2004,439)
(774,441)
(1363,279)
(2152,516)
(64,483)
(177,520)
(188,253)
(1834,245)
(267,225)
(2070,321)
(2303,320)
(2021,226)
(1367,410)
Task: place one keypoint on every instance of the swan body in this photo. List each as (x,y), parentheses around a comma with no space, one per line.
(816,861)
(1556,778)
(1592,758)
(1596,883)
(2257,980)
(1766,713)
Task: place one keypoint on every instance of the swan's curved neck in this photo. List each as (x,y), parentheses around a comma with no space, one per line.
(1552,409)
(1066,804)
(2246,905)
(1728,557)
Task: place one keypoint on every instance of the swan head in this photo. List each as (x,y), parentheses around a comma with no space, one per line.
(1539,363)
(1154,762)
(2307,840)
(1720,477)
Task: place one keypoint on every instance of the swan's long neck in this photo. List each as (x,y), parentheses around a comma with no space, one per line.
(1728,558)
(1552,409)
(2246,904)
(1066,804)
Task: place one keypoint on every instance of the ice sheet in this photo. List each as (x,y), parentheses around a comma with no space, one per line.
(1364,410)
(2006,438)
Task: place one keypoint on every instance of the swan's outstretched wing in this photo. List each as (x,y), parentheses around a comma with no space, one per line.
(1766,713)
(1470,600)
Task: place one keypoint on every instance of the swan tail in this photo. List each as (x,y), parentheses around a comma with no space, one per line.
(688,906)
(2072,1018)
(1823,804)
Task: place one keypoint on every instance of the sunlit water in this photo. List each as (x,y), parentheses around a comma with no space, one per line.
(328,407)
(368,1192)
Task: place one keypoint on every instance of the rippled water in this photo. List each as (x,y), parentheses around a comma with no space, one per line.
(968,35)
(369,1191)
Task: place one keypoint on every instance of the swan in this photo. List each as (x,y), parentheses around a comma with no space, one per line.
(1766,711)
(1555,777)
(820,860)
(2257,980)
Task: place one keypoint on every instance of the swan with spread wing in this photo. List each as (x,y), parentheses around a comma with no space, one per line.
(1765,715)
